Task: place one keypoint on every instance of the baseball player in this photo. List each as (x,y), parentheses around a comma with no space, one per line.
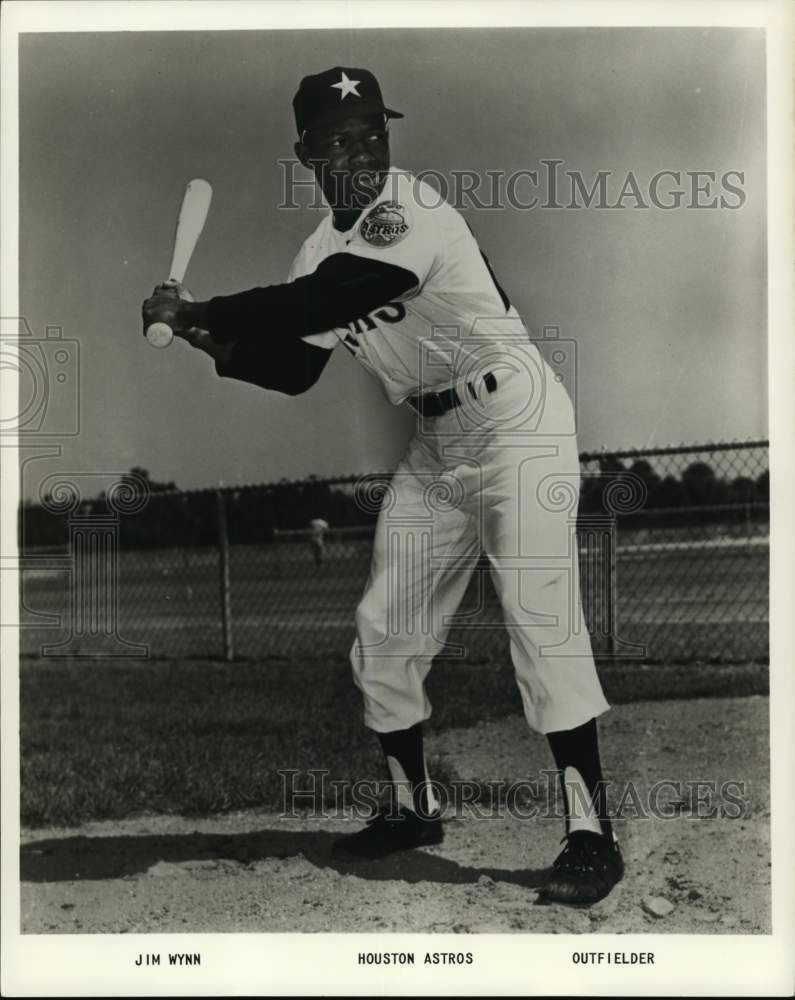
(318,528)
(395,275)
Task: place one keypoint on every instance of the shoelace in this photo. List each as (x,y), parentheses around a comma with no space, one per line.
(580,854)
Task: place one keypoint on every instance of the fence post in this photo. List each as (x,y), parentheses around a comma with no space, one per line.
(223,566)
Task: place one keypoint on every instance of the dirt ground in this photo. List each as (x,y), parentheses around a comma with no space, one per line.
(258,872)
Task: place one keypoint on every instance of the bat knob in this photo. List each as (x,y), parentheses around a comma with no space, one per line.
(159,334)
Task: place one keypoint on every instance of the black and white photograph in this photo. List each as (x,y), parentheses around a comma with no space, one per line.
(391,449)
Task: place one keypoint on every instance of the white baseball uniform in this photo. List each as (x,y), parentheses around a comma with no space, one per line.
(498,472)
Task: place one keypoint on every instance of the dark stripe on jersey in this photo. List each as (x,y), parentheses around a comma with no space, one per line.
(505,300)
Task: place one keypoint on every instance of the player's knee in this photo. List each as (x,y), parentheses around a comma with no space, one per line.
(370,619)
(363,665)
(536,593)
(371,638)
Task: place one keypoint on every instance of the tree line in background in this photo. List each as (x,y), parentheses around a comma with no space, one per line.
(252,513)
(698,486)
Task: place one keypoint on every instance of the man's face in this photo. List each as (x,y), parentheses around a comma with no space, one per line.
(350,160)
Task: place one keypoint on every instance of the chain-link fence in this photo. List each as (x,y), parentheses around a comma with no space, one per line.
(673,547)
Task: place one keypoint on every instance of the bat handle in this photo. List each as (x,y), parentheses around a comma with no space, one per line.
(159,334)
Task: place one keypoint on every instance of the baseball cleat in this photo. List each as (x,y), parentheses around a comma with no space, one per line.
(585,870)
(386,833)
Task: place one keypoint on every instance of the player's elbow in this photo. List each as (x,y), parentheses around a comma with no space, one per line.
(299,381)
(304,368)
(297,388)
(288,367)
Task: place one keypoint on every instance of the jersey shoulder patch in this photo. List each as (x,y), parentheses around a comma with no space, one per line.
(385,224)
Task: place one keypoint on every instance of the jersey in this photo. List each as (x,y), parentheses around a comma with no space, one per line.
(450,324)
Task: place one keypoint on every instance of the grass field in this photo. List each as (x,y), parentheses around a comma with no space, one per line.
(173,730)
(676,600)
(113,739)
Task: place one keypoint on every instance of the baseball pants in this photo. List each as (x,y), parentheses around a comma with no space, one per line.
(499,473)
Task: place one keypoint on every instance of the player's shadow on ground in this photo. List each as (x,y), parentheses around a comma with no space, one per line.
(85,858)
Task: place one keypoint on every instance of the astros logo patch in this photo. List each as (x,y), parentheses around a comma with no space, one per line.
(385,224)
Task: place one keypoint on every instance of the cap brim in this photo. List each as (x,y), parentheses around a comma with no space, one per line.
(351,111)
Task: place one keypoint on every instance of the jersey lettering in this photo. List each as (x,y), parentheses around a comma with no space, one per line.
(386,316)
(362,324)
(392,312)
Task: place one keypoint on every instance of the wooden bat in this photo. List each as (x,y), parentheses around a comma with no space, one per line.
(190,222)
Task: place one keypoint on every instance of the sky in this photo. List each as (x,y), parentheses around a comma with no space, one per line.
(666,309)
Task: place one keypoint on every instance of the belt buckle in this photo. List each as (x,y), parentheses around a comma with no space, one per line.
(488,381)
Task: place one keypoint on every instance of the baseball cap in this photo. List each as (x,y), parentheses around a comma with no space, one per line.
(335,94)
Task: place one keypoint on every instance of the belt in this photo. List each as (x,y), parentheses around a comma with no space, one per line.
(434,404)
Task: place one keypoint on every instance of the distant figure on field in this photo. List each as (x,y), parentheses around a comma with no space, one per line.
(317,538)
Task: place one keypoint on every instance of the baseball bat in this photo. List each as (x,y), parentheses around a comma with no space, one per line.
(190,222)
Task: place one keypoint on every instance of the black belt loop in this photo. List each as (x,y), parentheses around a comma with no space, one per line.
(436,404)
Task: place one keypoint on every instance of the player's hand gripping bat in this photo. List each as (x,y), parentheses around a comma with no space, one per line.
(190,222)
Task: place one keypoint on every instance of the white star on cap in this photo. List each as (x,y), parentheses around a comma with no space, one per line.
(346,86)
